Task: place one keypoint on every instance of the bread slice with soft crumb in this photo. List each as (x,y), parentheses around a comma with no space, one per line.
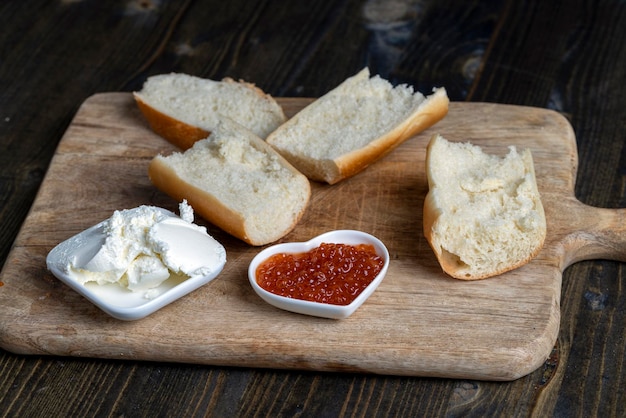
(483,214)
(236,181)
(355,124)
(184,109)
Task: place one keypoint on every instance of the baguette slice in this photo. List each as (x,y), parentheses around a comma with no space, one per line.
(236,181)
(353,125)
(483,214)
(184,109)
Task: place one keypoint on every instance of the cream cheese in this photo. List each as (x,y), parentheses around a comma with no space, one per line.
(141,248)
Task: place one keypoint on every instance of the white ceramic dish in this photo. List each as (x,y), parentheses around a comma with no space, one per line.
(323,310)
(116,300)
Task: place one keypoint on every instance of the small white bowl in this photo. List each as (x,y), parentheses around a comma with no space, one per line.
(324,310)
(113,299)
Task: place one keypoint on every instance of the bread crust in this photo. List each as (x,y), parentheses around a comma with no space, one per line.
(204,204)
(332,169)
(174,131)
(425,116)
(182,134)
(212,209)
(449,262)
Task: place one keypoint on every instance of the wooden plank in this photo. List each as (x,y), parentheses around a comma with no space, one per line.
(418,322)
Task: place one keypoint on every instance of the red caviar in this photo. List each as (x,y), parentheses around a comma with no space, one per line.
(331,273)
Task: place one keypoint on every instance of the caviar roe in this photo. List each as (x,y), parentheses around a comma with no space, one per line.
(331,273)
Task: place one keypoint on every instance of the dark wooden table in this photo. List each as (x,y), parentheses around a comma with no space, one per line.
(569,56)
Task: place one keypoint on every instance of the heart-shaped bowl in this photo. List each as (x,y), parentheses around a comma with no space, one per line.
(324,310)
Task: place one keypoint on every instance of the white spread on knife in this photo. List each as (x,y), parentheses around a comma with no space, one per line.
(140,248)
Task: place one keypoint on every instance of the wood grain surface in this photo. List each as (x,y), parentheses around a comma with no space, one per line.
(565,55)
(419,322)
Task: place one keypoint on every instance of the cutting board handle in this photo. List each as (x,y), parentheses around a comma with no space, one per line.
(590,233)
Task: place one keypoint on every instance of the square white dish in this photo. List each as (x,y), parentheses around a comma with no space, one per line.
(115,300)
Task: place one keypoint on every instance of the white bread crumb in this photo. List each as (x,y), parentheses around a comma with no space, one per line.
(483,214)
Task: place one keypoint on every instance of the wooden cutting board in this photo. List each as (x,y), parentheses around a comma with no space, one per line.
(418,322)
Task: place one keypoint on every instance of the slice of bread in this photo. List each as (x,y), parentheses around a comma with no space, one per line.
(483,214)
(184,109)
(353,125)
(236,181)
